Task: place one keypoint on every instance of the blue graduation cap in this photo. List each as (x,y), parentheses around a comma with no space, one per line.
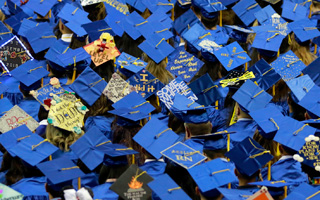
(5,35)
(155,136)
(232,56)
(15,21)
(292,133)
(245,10)
(231,194)
(5,104)
(211,175)
(268,15)
(145,83)
(268,40)
(305,29)
(3,88)
(41,7)
(89,86)
(183,23)
(210,8)
(156,48)
(251,97)
(41,37)
(94,29)
(130,23)
(183,155)
(184,65)
(249,156)
(196,34)
(74,59)
(288,66)
(163,18)
(311,101)
(304,191)
(129,65)
(85,147)
(113,19)
(34,149)
(58,48)
(26,25)
(214,141)
(293,10)
(207,91)
(238,33)
(300,86)
(313,71)
(154,5)
(116,150)
(220,35)
(265,76)
(167,189)
(137,5)
(228,2)
(155,28)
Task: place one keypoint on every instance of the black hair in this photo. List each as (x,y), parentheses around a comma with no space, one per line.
(111,172)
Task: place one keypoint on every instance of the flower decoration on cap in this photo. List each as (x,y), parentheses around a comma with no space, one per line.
(55,82)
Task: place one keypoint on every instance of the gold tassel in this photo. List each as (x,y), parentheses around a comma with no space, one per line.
(50,157)
(158,102)
(310,10)
(133,159)
(273,90)
(42,82)
(1,96)
(315,49)
(285,191)
(50,13)
(217,104)
(278,54)
(246,66)
(220,18)
(79,183)
(269,171)
(74,74)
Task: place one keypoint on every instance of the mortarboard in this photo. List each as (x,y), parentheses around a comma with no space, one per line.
(30,73)
(156,48)
(5,35)
(288,66)
(300,86)
(249,156)
(268,40)
(183,155)
(129,65)
(309,152)
(196,34)
(210,8)
(74,17)
(155,28)
(145,83)
(311,101)
(184,65)
(116,150)
(26,25)
(155,136)
(66,112)
(251,97)
(132,107)
(183,23)
(236,78)
(137,5)
(167,189)
(117,88)
(14,54)
(160,17)
(89,86)
(11,138)
(304,191)
(313,71)
(16,117)
(5,105)
(272,184)
(34,149)
(268,15)
(58,48)
(238,33)
(14,21)
(167,93)
(214,141)
(245,10)
(304,29)
(232,56)
(85,147)
(211,175)
(40,37)
(94,29)
(113,19)
(154,5)
(206,90)
(133,183)
(8,193)
(41,7)
(60,170)
(267,119)
(129,24)
(292,133)
(265,76)
(3,88)
(231,194)
(74,59)
(293,10)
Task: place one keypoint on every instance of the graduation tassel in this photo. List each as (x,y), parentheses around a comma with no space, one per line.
(315,49)
(133,159)
(310,10)
(273,90)
(50,157)
(278,54)
(246,66)
(158,102)
(42,82)
(217,105)
(79,183)
(74,69)
(269,171)
(285,191)
(220,17)
(50,13)
(228,149)
(172,14)
(1,96)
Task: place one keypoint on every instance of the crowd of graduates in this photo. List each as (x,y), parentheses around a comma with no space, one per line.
(159,99)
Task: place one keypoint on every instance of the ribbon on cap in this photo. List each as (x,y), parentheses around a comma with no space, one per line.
(65,50)
(258,154)
(268,39)
(35,146)
(162,30)
(300,129)
(267,71)
(74,12)
(223,170)
(288,65)
(309,28)
(34,69)
(19,139)
(140,104)
(124,149)
(258,94)
(254,5)
(313,195)
(105,29)
(134,112)
(159,134)
(3,73)
(159,42)
(50,36)
(245,76)
(172,189)
(165,4)
(191,153)
(274,182)
(190,104)
(209,88)
(274,122)
(68,168)
(103,143)
(4,33)
(141,23)
(295,7)
(95,83)
(214,3)
(205,35)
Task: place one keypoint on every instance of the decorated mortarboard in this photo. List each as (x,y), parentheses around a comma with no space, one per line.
(30,72)
(249,156)
(60,170)
(293,10)
(167,189)
(184,65)
(102,50)
(300,86)
(117,88)
(251,97)
(263,193)
(129,24)
(74,17)
(311,101)
(292,133)
(74,59)
(85,147)
(89,2)
(67,113)
(232,56)
(167,93)
(304,191)
(15,21)
(5,34)
(245,10)
(267,15)
(133,184)
(129,65)
(113,19)
(132,107)
(13,54)
(211,175)
(94,29)
(116,150)
(288,66)
(183,155)
(11,138)
(305,29)
(208,47)
(207,91)
(156,48)
(8,193)
(154,5)
(40,37)
(313,71)
(26,25)
(236,78)
(196,34)
(183,23)
(16,117)
(145,83)
(6,105)
(89,86)
(41,7)
(137,4)
(267,119)
(232,194)
(309,153)
(34,149)
(155,136)
(265,76)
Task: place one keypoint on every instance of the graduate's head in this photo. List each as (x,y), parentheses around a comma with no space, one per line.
(63,28)
(96,11)
(193,129)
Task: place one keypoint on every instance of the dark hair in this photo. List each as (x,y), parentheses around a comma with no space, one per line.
(128,45)
(213,154)
(176,124)
(297,110)
(104,70)
(111,172)
(209,23)
(99,108)
(43,113)
(77,42)
(96,11)
(199,129)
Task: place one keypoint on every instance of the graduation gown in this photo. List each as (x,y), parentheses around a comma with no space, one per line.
(32,188)
(103,192)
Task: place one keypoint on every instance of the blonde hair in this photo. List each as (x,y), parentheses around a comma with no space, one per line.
(60,138)
(158,70)
(302,51)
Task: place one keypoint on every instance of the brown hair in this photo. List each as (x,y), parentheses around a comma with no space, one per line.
(302,50)
(96,11)
(100,107)
(199,129)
